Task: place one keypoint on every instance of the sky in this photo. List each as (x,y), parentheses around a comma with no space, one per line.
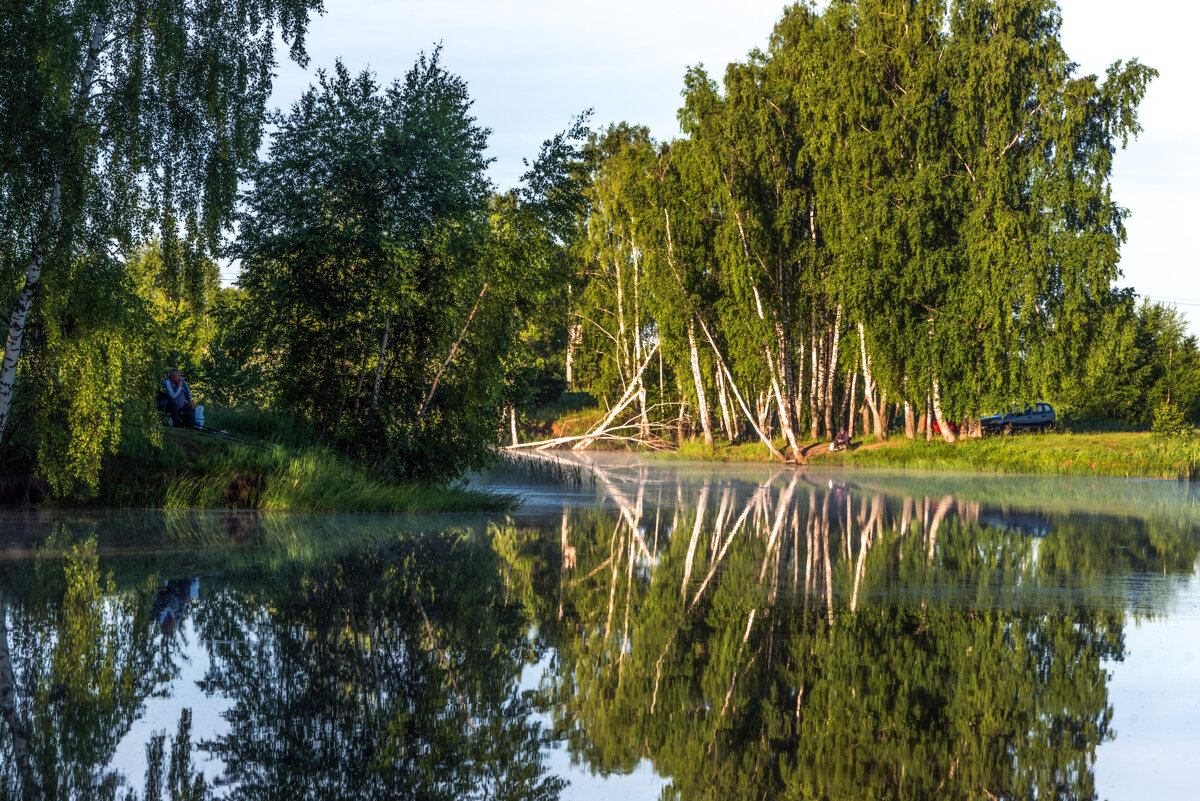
(533,64)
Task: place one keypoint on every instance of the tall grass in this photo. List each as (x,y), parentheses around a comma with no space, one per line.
(195,470)
(1115,454)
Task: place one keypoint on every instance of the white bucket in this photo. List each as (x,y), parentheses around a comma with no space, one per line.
(200,415)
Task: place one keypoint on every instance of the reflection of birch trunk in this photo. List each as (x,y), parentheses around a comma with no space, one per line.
(701,507)
(785,501)
(8,707)
(828,564)
(445,663)
(628,596)
(942,508)
(719,526)
(809,553)
(865,536)
(712,568)
(612,581)
(568,551)
(736,661)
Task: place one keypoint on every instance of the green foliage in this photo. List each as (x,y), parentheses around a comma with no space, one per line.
(387,292)
(120,121)
(88,377)
(1169,423)
(934,172)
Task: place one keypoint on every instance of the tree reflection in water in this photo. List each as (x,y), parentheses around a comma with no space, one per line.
(388,671)
(791,638)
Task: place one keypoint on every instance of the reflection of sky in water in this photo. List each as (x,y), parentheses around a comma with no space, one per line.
(1155,695)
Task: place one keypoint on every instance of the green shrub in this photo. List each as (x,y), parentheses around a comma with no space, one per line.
(1169,423)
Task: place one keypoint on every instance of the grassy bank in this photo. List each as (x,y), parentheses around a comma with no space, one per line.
(1112,454)
(195,470)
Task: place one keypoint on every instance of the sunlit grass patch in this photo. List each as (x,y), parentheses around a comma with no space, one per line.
(195,470)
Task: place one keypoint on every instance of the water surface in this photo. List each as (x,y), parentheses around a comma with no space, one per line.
(636,629)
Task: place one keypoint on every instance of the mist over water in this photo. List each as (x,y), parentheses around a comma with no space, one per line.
(641,629)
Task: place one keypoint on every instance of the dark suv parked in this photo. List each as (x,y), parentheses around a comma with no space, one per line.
(1038,417)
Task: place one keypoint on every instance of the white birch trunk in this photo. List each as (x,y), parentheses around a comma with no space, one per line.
(722,401)
(832,371)
(701,399)
(868,384)
(625,400)
(947,434)
(8,708)
(387,330)
(851,409)
(737,394)
(813,403)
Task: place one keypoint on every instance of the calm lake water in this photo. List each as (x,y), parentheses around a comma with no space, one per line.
(635,629)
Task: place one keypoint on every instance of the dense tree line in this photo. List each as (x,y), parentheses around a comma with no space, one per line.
(898,209)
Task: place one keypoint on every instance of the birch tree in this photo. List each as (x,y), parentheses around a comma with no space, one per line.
(121,117)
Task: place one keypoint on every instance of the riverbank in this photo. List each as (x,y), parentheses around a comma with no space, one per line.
(274,468)
(1109,454)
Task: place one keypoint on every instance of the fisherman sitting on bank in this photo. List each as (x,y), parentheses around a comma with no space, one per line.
(175,398)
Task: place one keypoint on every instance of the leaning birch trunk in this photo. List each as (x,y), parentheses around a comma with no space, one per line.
(776,373)
(909,426)
(722,401)
(643,416)
(737,393)
(630,393)
(701,399)
(947,434)
(868,384)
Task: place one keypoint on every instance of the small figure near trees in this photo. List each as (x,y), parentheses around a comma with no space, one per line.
(175,399)
(841,442)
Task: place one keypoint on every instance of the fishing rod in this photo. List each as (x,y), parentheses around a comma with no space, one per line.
(232,437)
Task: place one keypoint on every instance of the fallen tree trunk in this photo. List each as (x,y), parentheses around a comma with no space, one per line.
(631,392)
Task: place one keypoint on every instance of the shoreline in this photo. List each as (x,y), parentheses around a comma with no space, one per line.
(1101,455)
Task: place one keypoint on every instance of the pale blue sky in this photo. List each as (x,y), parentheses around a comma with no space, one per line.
(532,64)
